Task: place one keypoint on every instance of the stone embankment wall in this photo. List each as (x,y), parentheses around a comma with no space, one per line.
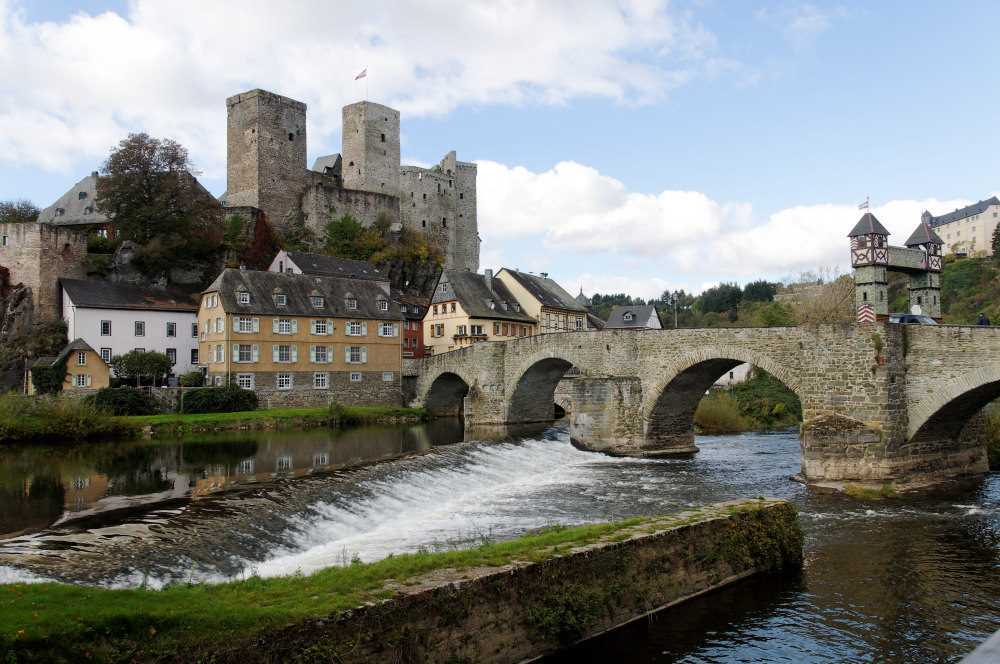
(526,610)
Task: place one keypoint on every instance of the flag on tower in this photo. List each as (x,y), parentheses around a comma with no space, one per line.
(863,206)
(364,72)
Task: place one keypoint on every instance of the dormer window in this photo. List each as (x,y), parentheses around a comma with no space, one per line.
(403,308)
(317,301)
(504,305)
(82,195)
(280,299)
(628,316)
(243,297)
(383,305)
(60,212)
(416,310)
(492,305)
(352,303)
(88,210)
(517,307)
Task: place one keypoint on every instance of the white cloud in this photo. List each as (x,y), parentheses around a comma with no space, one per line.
(687,240)
(801,24)
(72,89)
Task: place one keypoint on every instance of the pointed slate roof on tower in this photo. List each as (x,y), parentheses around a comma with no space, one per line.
(924,234)
(868,225)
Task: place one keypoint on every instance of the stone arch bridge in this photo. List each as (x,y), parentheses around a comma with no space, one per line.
(881,402)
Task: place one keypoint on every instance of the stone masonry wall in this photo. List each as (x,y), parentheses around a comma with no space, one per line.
(37,255)
(372,390)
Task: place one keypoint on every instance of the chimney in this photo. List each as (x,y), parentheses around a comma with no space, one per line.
(489,279)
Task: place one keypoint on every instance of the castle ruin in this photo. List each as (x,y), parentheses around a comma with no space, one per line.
(267,170)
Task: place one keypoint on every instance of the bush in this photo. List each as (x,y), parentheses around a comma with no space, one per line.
(191,379)
(228,399)
(719,413)
(123,401)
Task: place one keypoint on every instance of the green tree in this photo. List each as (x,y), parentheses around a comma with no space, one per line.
(758,291)
(722,298)
(150,196)
(138,365)
(343,237)
(18,212)
(996,243)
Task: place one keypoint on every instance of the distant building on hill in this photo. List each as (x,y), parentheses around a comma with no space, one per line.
(634,317)
(969,229)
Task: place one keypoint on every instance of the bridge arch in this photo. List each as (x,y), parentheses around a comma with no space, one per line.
(534,375)
(446,393)
(944,412)
(669,406)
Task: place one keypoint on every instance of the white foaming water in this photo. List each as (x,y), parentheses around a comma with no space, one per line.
(15,575)
(480,498)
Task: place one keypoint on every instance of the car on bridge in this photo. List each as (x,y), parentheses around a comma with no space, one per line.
(912,319)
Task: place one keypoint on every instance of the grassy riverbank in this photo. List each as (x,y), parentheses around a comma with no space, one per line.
(760,402)
(291,418)
(27,420)
(53,622)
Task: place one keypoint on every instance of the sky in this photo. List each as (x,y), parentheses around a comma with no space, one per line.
(635,146)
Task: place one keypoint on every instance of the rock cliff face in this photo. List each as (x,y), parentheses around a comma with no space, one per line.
(24,337)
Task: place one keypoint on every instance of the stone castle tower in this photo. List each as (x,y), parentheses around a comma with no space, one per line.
(37,255)
(267,170)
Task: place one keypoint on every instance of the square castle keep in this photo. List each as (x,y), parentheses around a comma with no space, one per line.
(267,170)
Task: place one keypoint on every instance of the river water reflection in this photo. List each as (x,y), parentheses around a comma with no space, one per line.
(908,580)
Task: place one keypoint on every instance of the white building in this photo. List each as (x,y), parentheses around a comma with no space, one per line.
(117,318)
(969,229)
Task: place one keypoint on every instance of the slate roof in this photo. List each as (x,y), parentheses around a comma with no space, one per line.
(583,299)
(299,290)
(595,322)
(546,291)
(337,267)
(923,234)
(967,211)
(110,295)
(471,291)
(327,164)
(868,225)
(641,313)
(76,344)
(416,306)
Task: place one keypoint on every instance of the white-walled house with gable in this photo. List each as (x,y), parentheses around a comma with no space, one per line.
(117,318)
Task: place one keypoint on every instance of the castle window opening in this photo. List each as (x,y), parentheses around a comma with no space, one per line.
(82,195)
(449,183)
(425,197)
(383,138)
(461,195)
(291,136)
(351,164)
(423,222)
(6,240)
(864,297)
(444,222)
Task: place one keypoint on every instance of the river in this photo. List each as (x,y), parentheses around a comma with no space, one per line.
(913,579)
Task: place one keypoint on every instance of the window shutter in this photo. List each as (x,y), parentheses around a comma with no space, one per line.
(312,353)
(256,325)
(295,326)
(312,326)
(364,354)
(395,329)
(378,329)
(347,354)
(274,325)
(274,350)
(295,353)
(223,321)
(88,380)
(236,352)
(364,329)
(329,354)
(329,327)
(256,353)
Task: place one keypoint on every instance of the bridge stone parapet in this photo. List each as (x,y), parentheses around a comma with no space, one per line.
(881,402)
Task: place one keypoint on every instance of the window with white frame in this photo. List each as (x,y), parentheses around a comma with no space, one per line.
(218,381)
(194,330)
(356,354)
(280,299)
(317,301)
(245,380)
(355,329)
(284,353)
(105,328)
(106,355)
(81,380)
(172,355)
(219,325)
(139,350)
(403,308)
(246,325)
(244,297)
(283,462)
(81,357)
(579,324)
(320,327)
(461,330)
(387,376)
(284,326)
(320,354)
(171,329)
(355,376)
(218,354)
(140,328)
(352,303)
(383,305)
(284,381)
(321,380)
(477,330)
(244,353)
(194,356)
(387,329)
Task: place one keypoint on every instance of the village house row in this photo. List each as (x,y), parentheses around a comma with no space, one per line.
(310,330)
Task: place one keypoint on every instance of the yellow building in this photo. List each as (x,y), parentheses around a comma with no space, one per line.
(301,340)
(546,301)
(469,308)
(85,370)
